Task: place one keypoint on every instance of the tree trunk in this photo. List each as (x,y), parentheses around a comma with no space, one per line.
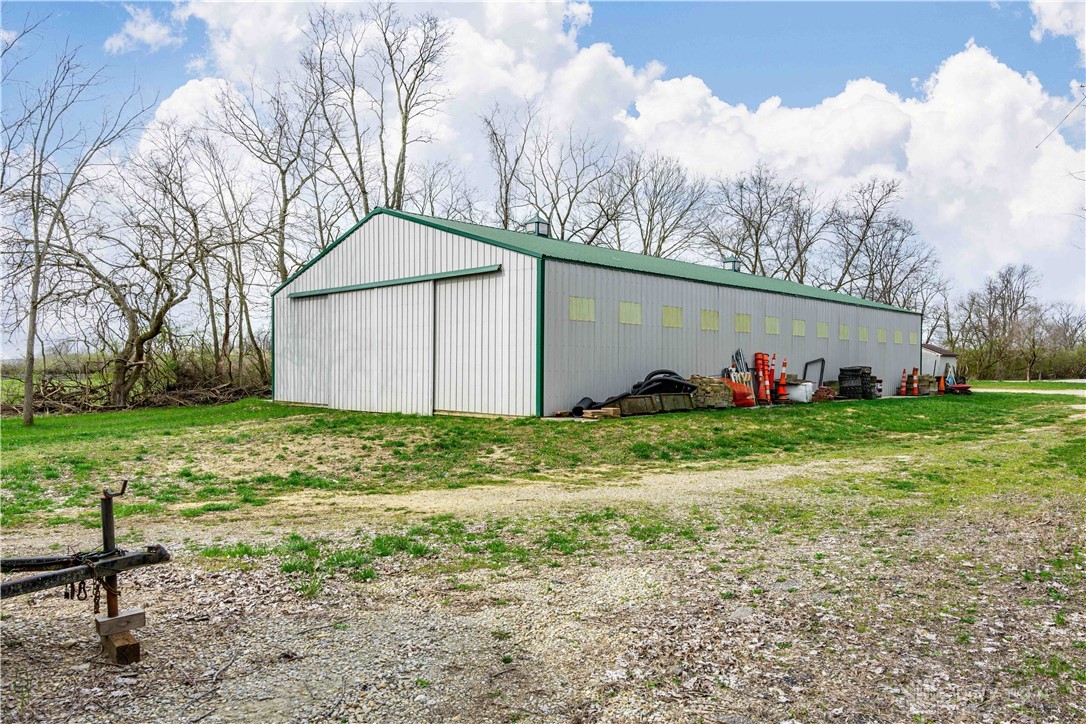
(31,337)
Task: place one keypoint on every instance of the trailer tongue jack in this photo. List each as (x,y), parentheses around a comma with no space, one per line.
(73,571)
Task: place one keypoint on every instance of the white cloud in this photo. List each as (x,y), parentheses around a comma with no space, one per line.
(1059,18)
(141,29)
(248,39)
(974,182)
(964,148)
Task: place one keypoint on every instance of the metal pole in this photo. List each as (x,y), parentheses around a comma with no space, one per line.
(109,543)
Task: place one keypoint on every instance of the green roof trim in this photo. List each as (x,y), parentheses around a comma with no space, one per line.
(542,247)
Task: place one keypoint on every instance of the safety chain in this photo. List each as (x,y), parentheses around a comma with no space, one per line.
(78,591)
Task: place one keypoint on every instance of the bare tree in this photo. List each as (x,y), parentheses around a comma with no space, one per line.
(439,188)
(337,72)
(274,126)
(864,219)
(408,65)
(752,215)
(668,209)
(508,135)
(146,265)
(988,319)
(16,118)
(569,181)
(54,160)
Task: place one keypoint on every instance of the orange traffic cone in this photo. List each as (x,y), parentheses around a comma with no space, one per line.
(773,372)
(782,391)
(916,382)
(942,385)
(901,392)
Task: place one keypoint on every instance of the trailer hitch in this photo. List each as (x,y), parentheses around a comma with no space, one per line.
(103,568)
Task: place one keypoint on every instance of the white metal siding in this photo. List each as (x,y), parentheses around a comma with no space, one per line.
(602,358)
(482,332)
(379,349)
(319,347)
(935,363)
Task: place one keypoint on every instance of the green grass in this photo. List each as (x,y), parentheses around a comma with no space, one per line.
(1023,385)
(171,455)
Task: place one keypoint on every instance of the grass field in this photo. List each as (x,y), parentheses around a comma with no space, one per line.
(249,452)
(915,559)
(1023,385)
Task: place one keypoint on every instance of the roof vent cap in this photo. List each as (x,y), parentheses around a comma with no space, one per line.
(731,263)
(538,226)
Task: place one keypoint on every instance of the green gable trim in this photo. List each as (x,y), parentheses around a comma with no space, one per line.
(342,237)
(475,271)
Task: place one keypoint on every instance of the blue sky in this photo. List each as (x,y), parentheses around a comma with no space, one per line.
(746,52)
(806,51)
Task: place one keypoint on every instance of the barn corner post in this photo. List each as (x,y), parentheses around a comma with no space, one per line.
(541,276)
(273,355)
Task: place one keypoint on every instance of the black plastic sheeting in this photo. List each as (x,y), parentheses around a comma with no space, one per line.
(655,382)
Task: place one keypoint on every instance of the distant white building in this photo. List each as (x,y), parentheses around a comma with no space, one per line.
(415,314)
(936,359)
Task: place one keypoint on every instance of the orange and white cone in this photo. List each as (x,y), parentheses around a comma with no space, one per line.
(916,382)
(782,391)
(901,392)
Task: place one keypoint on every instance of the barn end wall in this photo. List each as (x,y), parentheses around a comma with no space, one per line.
(462,344)
(604,357)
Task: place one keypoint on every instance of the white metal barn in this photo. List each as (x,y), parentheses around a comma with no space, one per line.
(936,360)
(415,314)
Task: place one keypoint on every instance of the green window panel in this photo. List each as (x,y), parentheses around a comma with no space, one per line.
(913,338)
(710,320)
(582,309)
(842,332)
(799,328)
(881,335)
(772,325)
(673,317)
(823,330)
(629,313)
(863,334)
(898,337)
(742,322)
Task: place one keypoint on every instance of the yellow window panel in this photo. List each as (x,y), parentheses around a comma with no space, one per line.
(710,320)
(629,313)
(862,334)
(842,332)
(799,328)
(772,325)
(823,330)
(673,316)
(881,335)
(898,338)
(742,322)
(913,340)
(582,309)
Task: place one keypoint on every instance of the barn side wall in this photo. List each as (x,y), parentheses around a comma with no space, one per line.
(482,332)
(604,357)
